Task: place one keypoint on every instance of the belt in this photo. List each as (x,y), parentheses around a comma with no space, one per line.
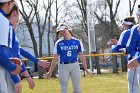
(68,62)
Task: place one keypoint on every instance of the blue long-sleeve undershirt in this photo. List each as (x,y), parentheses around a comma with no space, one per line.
(28,55)
(122,41)
(4,59)
(15,78)
(118,47)
(15,53)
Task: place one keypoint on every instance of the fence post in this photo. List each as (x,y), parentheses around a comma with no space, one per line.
(97,63)
(123,63)
(115,65)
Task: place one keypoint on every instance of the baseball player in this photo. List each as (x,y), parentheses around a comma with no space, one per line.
(15,52)
(66,52)
(127,25)
(133,47)
(6,65)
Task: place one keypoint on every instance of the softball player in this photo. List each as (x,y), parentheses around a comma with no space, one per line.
(133,47)
(15,52)
(5,43)
(66,50)
(127,25)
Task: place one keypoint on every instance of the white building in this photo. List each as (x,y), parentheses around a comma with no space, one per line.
(26,42)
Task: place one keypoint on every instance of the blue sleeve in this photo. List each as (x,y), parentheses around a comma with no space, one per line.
(131,51)
(80,48)
(133,40)
(28,55)
(15,78)
(23,67)
(4,59)
(125,38)
(117,48)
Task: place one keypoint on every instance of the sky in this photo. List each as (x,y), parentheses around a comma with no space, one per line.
(123,10)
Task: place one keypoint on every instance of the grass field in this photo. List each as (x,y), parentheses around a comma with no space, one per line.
(103,83)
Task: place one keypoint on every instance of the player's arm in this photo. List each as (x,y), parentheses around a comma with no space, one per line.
(138,59)
(5,61)
(29,79)
(133,63)
(17,84)
(82,57)
(54,61)
(83,60)
(121,42)
(42,63)
(15,78)
(27,55)
(23,67)
(53,64)
(117,48)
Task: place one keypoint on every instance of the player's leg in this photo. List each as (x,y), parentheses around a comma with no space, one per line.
(3,82)
(63,75)
(76,77)
(138,77)
(133,85)
(10,83)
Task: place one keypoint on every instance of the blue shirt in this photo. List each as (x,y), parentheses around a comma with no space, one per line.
(122,41)
(68,49)
(133,42)
(5,42)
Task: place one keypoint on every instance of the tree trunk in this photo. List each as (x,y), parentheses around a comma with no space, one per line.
(40,72)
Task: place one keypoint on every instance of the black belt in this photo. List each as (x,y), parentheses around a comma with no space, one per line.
(68,62)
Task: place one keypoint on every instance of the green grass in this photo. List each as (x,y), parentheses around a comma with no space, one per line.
(103,83)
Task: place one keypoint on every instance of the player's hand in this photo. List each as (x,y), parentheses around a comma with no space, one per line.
(18,88)
(132,64)
(31,82)
(19,77)
(88,72)
(44,63)
(16,61)
(17,70)
(49,74)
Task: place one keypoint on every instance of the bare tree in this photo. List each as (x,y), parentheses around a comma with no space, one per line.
(106,17)
(131,7)
(82,4)
(34,14)
(113,27)
(58,10)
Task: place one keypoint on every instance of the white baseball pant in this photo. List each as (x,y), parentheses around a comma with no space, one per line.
(3,82)
(67,71)
(134,80)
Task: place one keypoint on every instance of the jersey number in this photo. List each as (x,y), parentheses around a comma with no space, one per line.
(69,53)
